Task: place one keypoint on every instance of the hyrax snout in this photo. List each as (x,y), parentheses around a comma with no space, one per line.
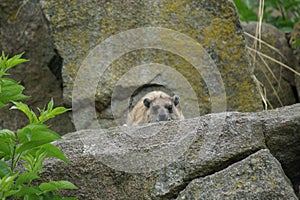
(155,106)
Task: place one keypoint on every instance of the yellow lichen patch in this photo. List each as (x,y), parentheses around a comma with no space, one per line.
(231,52)
(239,183)
(218,185)
(253,178)
(218,33)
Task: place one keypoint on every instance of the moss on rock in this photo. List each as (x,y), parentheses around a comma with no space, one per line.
(79,26)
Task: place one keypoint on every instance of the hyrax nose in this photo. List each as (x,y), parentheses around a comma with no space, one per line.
(162,116)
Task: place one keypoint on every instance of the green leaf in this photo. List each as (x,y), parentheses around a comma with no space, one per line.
(292,5)
(66,185)
(3,61)
(50,105)
(7,181)
(7,135)
(4,169)
(2,73)
(7,143)
(51,114)
(34,159)
(47,187)
(26,110)
(30,145)
(34,135)
(53,151)
(51,196)
(246,10)
(10,91)
(10,193)
(6,148)
(15,60)
(2,105)
(28,192)
(59,110)
(36,132)
(56,185)
(26,177)
(30,159)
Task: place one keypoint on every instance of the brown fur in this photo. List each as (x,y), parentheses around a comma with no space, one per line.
(142,114)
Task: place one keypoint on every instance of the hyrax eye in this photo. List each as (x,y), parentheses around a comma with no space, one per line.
(170,108)
(147,102)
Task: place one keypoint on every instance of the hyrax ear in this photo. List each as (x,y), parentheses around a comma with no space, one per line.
(147,102)
(176,100)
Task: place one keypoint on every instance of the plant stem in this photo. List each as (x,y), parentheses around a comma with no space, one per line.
(13,159)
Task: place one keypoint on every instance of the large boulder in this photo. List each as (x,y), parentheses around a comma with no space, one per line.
(24,29)
(258,176)
(202,41)
(160,160)
(294,37)
(278,81)
(282,134)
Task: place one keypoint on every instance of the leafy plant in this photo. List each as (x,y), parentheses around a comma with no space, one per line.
(281,13)
(10,90)
(22,152)
(246,10)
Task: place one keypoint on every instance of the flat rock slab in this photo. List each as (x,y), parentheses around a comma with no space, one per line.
(258,176)
(158,161)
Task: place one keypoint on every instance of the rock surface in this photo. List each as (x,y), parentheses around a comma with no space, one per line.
(24,29)
(258,176)
(282,133)
(295,35)
(160,160)
(78,27)
(279,82)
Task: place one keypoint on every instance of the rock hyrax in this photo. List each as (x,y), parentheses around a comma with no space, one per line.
(153,107)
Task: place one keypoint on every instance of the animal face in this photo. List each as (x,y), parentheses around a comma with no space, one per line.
(162,109)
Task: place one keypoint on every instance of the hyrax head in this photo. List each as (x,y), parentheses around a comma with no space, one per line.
(162,109)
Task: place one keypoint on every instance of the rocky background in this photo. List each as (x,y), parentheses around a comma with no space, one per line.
(280,83)
(23,28)
(220,34)
(56,37)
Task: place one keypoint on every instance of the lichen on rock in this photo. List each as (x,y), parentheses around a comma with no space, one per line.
(78,27)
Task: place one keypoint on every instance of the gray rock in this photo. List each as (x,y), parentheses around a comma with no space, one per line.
(258,176)
(278,81)
(294,36)
(220,140)
(158,161)
(81,29)
(24,29)
(282,133)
